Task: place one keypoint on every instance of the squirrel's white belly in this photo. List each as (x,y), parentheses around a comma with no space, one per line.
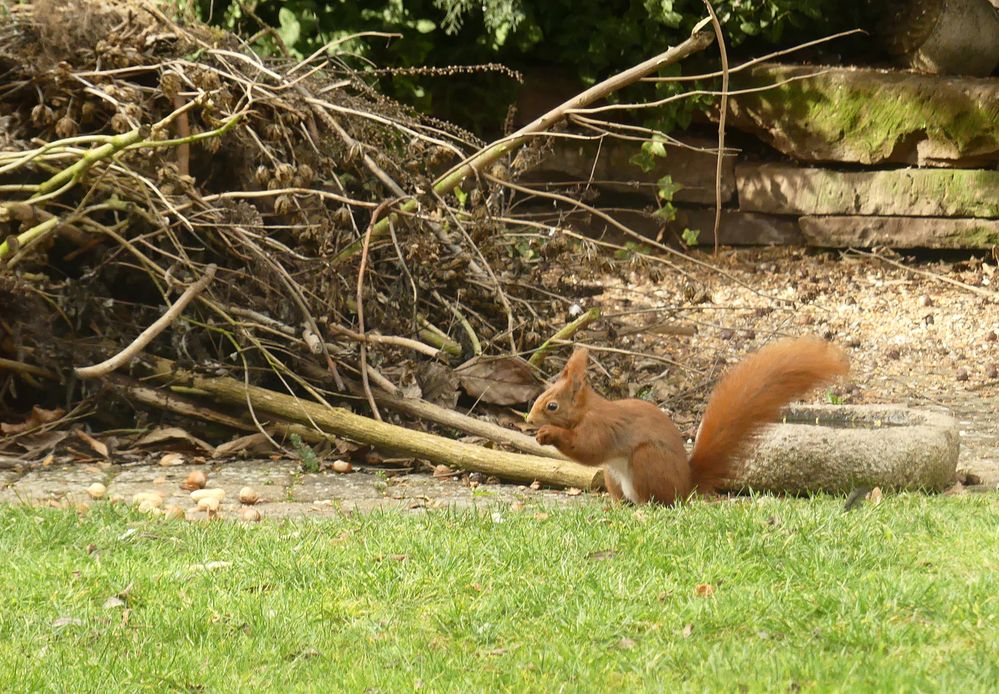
(620,470)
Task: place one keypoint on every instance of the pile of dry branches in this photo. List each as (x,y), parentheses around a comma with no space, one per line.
(276,224)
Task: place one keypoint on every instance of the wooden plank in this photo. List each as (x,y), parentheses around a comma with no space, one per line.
(899,232)
(609,166)
(782,189)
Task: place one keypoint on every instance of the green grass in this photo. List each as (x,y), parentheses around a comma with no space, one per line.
(898,597)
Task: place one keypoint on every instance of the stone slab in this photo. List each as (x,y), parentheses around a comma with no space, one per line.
(58,483)
(782,189)
(737,228)
(869,116)
(899,232)
(608,165)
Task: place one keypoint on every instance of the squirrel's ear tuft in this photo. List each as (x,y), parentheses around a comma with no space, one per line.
(575,368)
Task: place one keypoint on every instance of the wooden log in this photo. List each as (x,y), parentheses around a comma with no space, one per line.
(428,411)
(608,165)
(782,189)
(418,444)
(899,232)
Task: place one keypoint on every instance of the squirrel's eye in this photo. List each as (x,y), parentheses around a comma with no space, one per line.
(552,406)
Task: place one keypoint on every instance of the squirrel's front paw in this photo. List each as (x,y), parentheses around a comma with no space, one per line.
(546,435)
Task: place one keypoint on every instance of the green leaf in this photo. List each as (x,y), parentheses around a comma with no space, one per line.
(461,195)
(290,28)
(690,236)
(667,188)
(646,158)
(666,213)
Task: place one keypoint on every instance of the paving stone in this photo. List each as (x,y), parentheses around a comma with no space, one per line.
(63,483)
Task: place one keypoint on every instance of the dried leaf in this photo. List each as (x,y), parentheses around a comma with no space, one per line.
(573,491)
(113,602)
(37,418)
(243,443)
(162,435)
(210,566)
(601,554)
(43,416)
(687,631)
(409,386)
(438,384)
(875,496)
(704,590)
(60,622)
(499,381)
(98,447)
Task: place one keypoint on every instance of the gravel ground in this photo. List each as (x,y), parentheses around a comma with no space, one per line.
(913,338)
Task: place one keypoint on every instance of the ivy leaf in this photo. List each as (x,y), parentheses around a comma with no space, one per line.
(667,188)
(290,29)
(646,158)
(666,213)
(690,236)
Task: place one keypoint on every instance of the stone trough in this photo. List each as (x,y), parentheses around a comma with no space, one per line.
(835,449)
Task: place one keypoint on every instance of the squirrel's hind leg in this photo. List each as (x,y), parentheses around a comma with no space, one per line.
(657,477)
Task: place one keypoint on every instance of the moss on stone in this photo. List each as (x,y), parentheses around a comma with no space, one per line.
(868,115)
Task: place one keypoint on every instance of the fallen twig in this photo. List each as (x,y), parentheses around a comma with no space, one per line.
(698,41)
(565,333)
(722,110)
(436,449)
(146,336)
(932,275)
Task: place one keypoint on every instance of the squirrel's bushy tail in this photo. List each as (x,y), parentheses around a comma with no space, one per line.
(751,395)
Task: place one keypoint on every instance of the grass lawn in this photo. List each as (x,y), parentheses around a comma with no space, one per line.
(771,595)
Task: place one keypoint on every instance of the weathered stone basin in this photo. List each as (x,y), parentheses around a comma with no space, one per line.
(828,448)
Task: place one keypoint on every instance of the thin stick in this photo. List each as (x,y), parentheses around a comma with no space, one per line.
(363,347)
(565,333)
(723,109)
(698,41)
(406,342)
(146,336)
(31,369)
(931,275)
(342,422)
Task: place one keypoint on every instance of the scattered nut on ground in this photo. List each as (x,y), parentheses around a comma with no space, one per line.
(250,515)
(195,480)
(153,498)
(342,466)
(97,490)
(248,496)
(174,513)
(172,459)
(209,503)
(149,506)
(214,493)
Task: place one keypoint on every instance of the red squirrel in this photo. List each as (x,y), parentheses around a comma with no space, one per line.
(640,448)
